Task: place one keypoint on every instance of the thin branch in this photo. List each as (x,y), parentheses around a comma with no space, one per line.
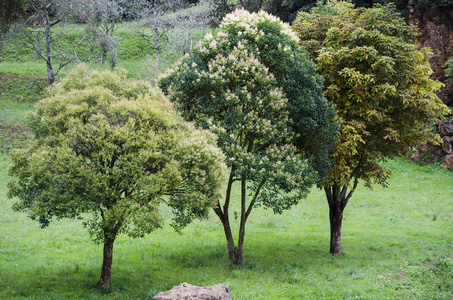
(73,58)
(102,213)
(54,22)
(38,11)
(356,181)
(218,210)
(226,205)
(38,51)
(252,203)
(343,192)
(49,5)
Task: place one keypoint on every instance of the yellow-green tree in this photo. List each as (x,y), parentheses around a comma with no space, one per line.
(110,150)
(380,85)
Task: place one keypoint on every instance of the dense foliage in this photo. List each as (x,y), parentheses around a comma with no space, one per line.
(380,85)
(9,12)
(108,150)
(251,85)
(449,67)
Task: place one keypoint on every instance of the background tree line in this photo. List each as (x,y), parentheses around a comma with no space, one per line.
(174,26)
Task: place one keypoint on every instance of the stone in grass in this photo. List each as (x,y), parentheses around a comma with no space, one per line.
(447,162)
(187,291)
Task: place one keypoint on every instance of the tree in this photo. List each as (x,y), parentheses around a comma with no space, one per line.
(9,12)
(190,25)
(379,83)
(251,85)
(174,23)
(104,16)
(110,150)
(157,23)
(42,41)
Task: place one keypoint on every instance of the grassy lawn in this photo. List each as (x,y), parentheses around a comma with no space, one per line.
(397,243)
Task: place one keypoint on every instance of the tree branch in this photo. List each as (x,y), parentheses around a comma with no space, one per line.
(53,23)
(328,192)
(226,205)
(102,213)
(346,200)
(38,51)
(218,210)
(252,203)
(343,192)
(73,58)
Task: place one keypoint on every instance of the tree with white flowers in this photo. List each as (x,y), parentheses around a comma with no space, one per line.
(258,91)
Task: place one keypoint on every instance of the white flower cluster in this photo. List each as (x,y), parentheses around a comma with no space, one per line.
(248,23)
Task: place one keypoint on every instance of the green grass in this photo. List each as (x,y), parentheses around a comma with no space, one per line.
(132,46)
(14,131)
(22,88)
(24,68)
(397,243)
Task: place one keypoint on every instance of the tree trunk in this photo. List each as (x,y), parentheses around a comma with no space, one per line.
(337,197)
(103,52)
(50,73)
(157,45)
(242,223)
(106,272)
(233,252)
(336,218)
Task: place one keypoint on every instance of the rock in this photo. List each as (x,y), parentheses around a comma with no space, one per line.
(446,145)
(436,28)
(427,153)
(448,162)
(34,21)
(82,17)
(186,291)
(446,127)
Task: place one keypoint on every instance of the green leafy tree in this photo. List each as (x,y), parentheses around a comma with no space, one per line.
(110,150)
(251,85)
(380,85)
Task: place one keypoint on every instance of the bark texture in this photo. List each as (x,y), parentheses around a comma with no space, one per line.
(236,253)
(337,198)
(107,261)
(336,219)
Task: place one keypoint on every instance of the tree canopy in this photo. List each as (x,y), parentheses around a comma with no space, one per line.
(380,85)
(111,150)
(251,85)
